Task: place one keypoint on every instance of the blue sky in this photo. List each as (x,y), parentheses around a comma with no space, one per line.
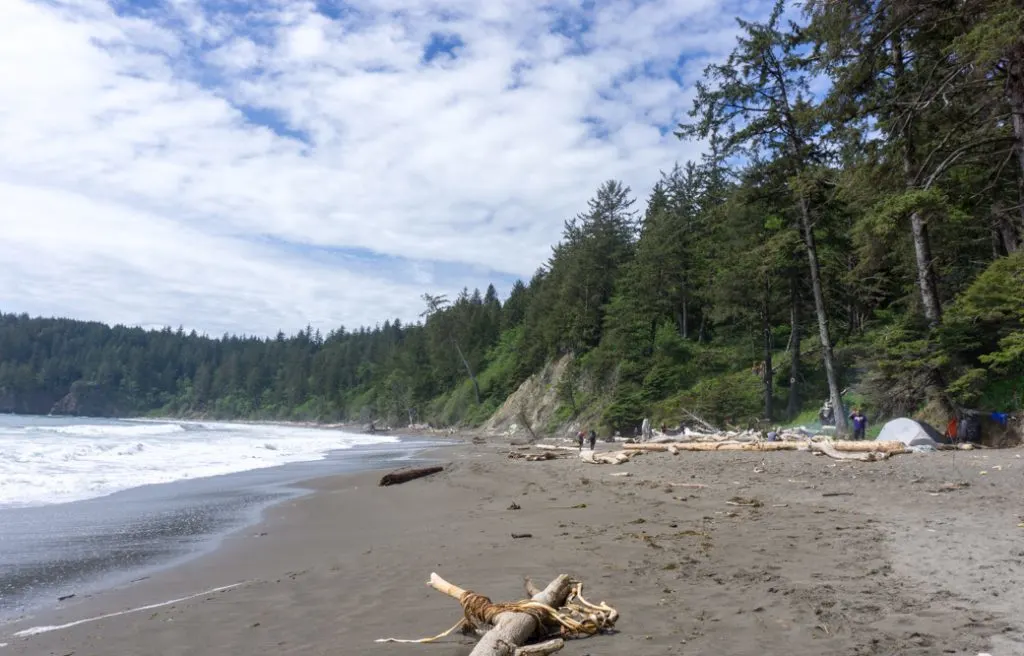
(253,166)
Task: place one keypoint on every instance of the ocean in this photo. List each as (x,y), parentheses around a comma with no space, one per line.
(87,504)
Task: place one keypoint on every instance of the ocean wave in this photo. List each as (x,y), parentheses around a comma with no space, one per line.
(46,464)
(101,430)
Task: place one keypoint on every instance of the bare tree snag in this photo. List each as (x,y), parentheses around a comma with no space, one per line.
(405,475)
(557,610)
(700,422)
(525,421)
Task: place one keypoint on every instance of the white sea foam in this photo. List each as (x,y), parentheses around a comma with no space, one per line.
(36,630)
(51,462)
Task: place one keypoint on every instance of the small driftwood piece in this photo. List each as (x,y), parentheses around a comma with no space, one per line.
(507,629)
(406,475)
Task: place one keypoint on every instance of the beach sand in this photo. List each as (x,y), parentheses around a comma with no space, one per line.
(837,558)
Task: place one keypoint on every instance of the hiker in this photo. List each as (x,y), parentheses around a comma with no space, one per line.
(860,424)
(593,438)
(579,439)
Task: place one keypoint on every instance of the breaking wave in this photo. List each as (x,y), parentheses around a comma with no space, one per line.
(54,461)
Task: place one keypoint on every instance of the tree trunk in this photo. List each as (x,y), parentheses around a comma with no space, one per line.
(926,279)
(769,374)
(469,370)
(1015,97)
(828,358)
(686,314)
(793,406)
(925,271)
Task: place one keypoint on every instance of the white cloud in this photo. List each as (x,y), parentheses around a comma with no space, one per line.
(145,154)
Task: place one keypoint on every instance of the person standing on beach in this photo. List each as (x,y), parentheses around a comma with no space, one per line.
(579,439)
(860,424)
(593,438)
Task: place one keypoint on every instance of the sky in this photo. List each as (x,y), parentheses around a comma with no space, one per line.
(249,166)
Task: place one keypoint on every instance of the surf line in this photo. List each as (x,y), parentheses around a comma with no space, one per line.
(36,630)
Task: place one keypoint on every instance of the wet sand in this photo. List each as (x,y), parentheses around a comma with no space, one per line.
(832,558)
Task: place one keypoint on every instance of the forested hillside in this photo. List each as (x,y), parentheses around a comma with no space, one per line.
(856,226)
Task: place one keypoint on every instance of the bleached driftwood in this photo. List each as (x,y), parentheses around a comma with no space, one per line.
(863,446)
(552,447)
(829,450)
(537,457)
(610,458)
(506,628)
(718,446)
(662,439)
(891,448)
(541,648)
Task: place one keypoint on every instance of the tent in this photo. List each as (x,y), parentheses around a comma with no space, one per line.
(910,432)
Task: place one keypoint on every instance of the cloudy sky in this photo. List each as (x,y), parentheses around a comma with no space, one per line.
(256,165)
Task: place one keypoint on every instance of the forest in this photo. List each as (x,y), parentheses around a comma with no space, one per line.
(853,233)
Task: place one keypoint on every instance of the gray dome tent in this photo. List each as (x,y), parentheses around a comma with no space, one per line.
(910,432)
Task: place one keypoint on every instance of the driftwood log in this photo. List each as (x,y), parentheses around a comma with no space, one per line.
(863,446)
(829,450)
(506,629)
(405,475)
(611,458)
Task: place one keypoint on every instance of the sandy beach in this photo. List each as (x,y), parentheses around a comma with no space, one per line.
(895,557)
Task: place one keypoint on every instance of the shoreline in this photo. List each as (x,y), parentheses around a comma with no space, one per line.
(91,546)
(861,558)
(247,551)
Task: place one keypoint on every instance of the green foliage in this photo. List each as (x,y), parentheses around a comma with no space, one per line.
(906,169)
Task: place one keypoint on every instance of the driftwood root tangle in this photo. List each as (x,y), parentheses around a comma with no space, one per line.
(405,475)
(559,611)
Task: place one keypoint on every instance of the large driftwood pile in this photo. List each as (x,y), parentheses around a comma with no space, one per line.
(846,446)
(558,611)
(714,435)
